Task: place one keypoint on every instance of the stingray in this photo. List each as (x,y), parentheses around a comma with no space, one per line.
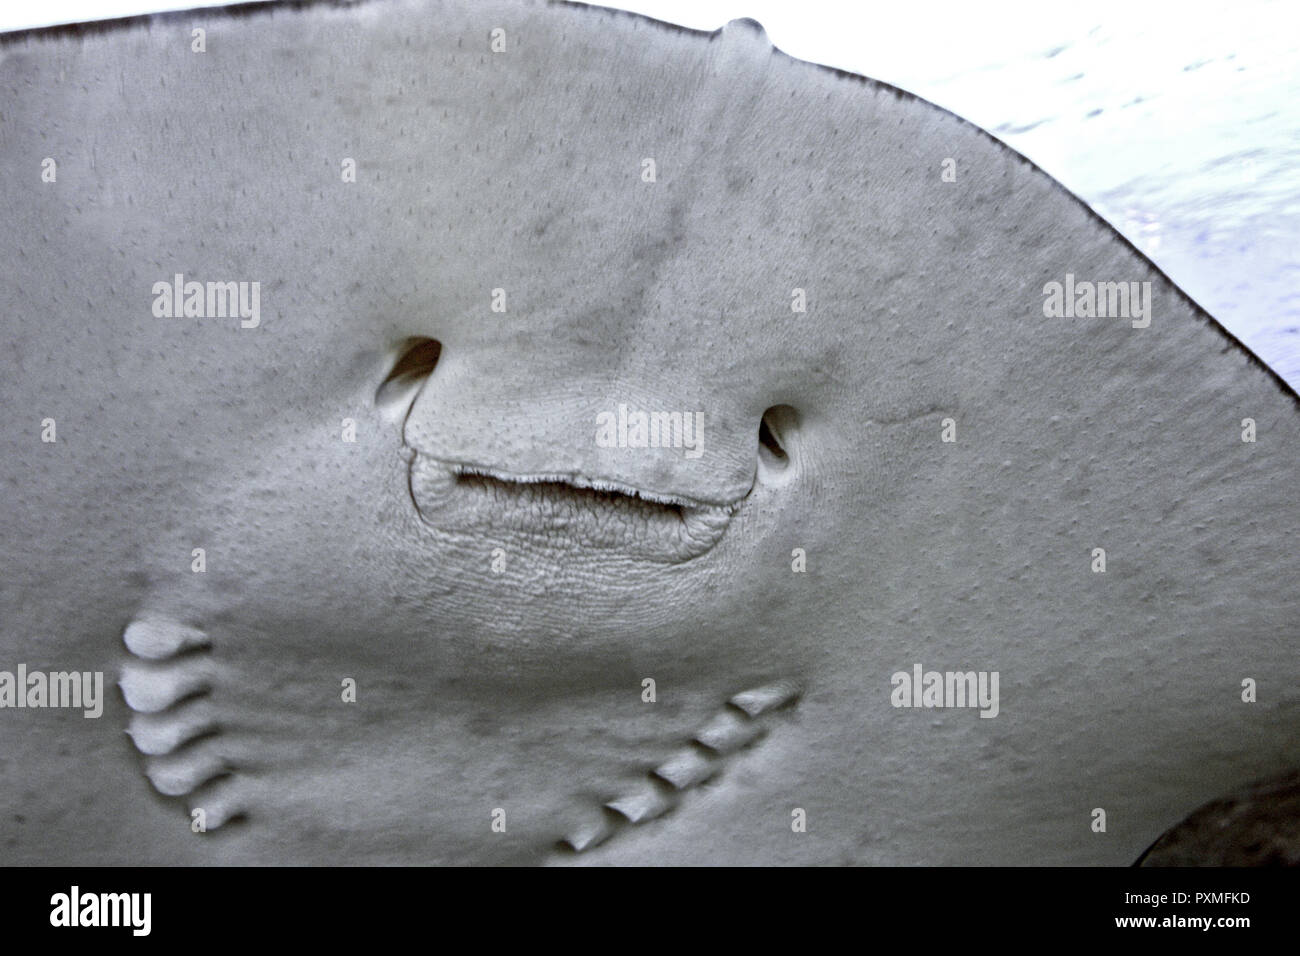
(521,432)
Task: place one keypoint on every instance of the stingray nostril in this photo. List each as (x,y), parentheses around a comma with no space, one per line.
(416,356)
(775,434)
(769,442)
(416,359)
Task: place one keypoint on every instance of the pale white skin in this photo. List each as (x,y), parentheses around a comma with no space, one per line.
(522,689)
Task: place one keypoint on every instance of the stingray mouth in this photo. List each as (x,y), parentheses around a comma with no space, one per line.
(563,511)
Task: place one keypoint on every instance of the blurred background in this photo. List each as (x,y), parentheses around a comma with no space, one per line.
(1178,122)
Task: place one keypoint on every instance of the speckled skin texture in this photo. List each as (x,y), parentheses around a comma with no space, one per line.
(521,689)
